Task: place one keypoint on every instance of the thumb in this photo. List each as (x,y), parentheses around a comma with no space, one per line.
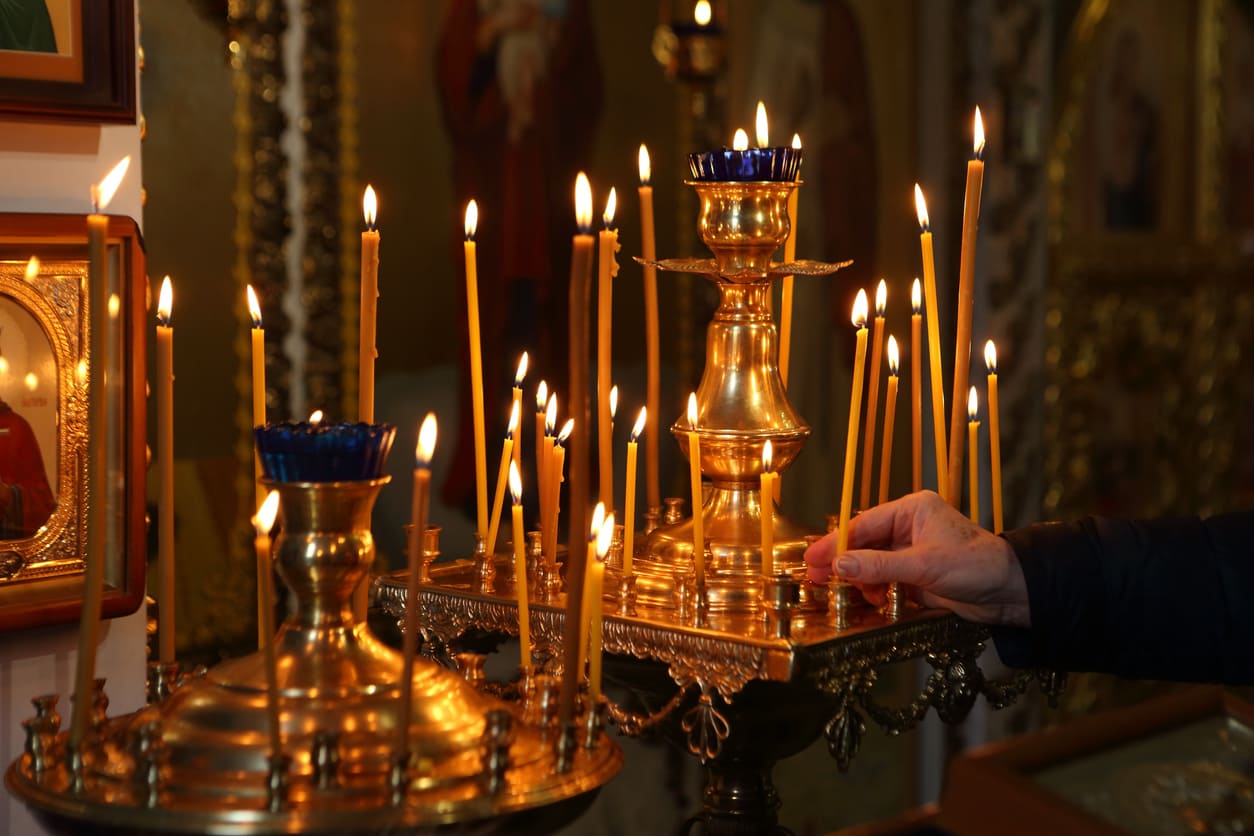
(872,566)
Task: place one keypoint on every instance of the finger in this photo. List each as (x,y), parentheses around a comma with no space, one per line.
(877,527)
(875,594)
(869,566)
(819,573)
(821,552)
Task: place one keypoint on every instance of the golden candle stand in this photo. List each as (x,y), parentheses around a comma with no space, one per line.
(741,670)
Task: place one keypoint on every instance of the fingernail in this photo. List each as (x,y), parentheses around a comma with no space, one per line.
(847,567)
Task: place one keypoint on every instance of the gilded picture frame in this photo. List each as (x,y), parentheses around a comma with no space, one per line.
(68,60)
(46,434)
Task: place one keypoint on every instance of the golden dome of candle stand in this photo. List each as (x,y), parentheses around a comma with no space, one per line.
(739,690)
(197,759)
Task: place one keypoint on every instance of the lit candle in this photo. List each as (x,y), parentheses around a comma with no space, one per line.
(973,427)
(259,419)
(165,459)
(740,140)
(652,334)
(590,557)
(994,433)
(933,344)
(916,388)
(98,514)
(607,270)
(873,393)
(542,397)
(547,505)
(629,521)
(890,414)
(785,294)
(502,476)
(596,580)
(519,376)
(418,526)
(767,501)
(557,467)
(966,304)
(476,370)
(702,13)
(263,523)
(760,126)
(609,503)
(851,439)
(520,568)
(694,470)
(368,312)
(580,301)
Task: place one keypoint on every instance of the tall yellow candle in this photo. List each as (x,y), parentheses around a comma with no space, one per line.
(973,428)
(786,290)
(994,433)
(368,311)
(547,505)
(933,345)
(890,414)
(596,581)
(519,376)
(652,333)
(502,476)
(98,463)
(966,305)
(694,471)
(607,269)
(916,389)
(259,419)
(590,557)
(557,467)
(851,439)
(476,370)
(629,497)
(542,397)
(165,464)
(263,523)
(520,568)
(418,526)
(580,301)
(873,394)
(766,498)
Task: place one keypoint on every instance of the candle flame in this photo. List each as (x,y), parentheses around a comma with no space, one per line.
(881,298)
(611,203)
(702,13)
(990,357)
(583,202)
(31,381)
(115,305)
(598,519)
(542,396)
(521,374)
(760,124)
(515,482)
(894,356)
(472,220)
(370,207)
(550,415)
(513,419)
(254,307)
(978,131)
(644,165)
(740,142)
(4,365)
(692,410)
(920,208)
(605,539)
(973,405)
(916,297)
(768,456)
(103,193)
(165,302)
(567,429)
(315,417)
(613,402)
(263,520)
(796,141)
(859,309)
(426,441)
(32,268)
(638,428)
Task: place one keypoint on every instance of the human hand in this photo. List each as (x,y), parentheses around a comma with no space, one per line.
(922,541)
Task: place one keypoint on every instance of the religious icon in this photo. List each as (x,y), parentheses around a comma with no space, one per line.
(28,423)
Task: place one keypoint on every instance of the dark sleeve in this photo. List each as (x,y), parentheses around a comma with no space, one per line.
(1162,599)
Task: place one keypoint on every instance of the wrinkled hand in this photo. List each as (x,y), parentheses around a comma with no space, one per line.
(921,541)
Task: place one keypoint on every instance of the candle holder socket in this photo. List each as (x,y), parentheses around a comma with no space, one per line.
(544,699)
(38,745)
(163,679)
(674,510)
(567,744)
(781,594)
(594,724)
(498,734)
(278,782)
(535,556)
(471,667)
(627,595)
(324,756)
(652,518)
(147,751)
(896,603)
(485,564)
(398,777)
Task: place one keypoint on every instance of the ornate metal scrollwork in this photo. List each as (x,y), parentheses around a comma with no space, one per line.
(706,728)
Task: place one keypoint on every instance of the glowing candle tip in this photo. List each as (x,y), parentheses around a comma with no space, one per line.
(165,302)
(370,207)
(894,356)
(859,309)
(254,307)
(638,428)
(426,441)
(644,165)
(990,357)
